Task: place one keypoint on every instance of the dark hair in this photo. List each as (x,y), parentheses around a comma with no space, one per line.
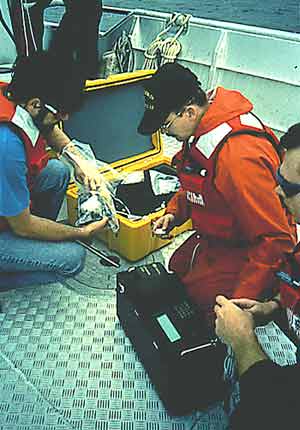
(200,97)
(291,139)
(56,81)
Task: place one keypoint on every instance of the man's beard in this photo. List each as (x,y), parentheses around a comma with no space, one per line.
(39,122)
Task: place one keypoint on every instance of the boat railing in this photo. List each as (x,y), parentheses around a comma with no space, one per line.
(262,63)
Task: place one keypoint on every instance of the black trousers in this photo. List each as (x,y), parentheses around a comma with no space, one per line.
(269,398)
(77,34)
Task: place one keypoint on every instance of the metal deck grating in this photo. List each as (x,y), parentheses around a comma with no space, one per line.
(65,362)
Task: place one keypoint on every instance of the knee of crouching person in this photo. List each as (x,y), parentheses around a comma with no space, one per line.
(74,260)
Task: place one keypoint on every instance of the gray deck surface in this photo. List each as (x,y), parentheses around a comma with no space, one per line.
(65,362)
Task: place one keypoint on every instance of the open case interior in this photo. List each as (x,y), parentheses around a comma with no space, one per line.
(138,199)
(108,122)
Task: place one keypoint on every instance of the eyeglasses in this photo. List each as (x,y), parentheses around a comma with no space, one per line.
(51,109)
(165,127)
(290,189)
(57,113)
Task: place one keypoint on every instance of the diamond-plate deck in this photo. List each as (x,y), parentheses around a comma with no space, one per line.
(65,362)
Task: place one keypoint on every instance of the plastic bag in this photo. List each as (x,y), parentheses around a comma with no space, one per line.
(93,205)
(162,183)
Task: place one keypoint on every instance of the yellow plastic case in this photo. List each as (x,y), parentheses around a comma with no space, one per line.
(108,121)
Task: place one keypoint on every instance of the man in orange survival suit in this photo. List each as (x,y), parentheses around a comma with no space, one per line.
(227,188)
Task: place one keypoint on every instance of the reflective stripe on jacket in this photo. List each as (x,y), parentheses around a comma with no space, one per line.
(228,190)
(196,168)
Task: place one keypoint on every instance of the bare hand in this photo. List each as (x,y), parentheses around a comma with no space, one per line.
(236,327)
(92,229)
(85,170)
(88,175)
(163,225)
(262,312)
(233,324)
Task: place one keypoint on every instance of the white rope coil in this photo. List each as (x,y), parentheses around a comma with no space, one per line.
(153,54)
(161,51)
(170,49)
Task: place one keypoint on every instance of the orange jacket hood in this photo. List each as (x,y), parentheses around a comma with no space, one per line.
(224,106)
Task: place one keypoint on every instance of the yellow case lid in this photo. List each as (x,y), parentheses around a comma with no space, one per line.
(119,81)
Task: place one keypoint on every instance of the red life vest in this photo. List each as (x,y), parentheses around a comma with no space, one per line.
(35,149)
(196,166)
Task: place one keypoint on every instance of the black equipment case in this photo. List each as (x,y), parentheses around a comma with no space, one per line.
(180,354)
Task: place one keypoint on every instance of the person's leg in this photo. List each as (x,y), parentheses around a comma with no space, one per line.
(37,20)
(26,262)
(49,189)
(77,35)
(62,42)
(87,42)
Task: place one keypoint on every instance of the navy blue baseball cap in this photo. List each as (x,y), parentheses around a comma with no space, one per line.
(169,89)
